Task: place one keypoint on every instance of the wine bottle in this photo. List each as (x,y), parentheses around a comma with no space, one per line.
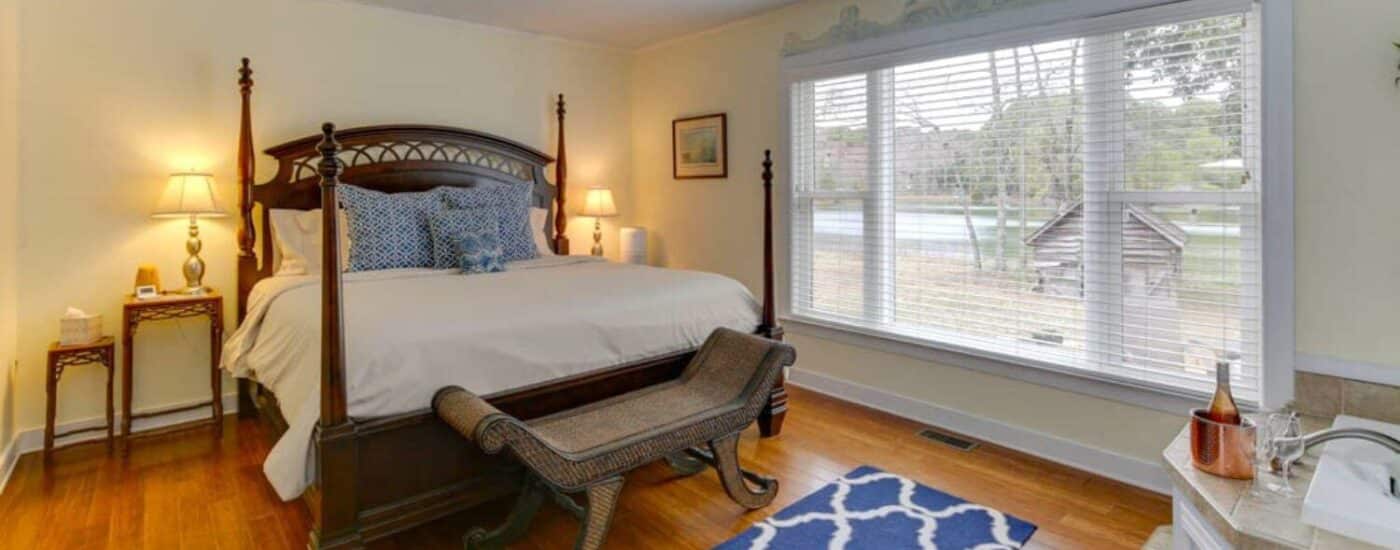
(1222,406)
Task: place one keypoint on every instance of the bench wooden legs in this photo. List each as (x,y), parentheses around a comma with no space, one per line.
(685,464)
(602,499)
(726,455)
(595,514)
(532,495)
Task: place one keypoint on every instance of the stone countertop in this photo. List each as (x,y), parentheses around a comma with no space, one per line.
(1249,521)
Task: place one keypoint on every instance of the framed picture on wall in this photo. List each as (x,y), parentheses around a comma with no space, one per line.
(699,147)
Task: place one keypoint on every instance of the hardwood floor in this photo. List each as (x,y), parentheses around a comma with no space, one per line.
(185,490)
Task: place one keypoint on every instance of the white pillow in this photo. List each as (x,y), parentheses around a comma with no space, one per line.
(297,234)
(539,220)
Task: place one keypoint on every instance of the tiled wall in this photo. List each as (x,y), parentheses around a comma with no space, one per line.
(1322,395)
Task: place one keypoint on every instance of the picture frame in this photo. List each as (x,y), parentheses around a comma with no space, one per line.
(700,147)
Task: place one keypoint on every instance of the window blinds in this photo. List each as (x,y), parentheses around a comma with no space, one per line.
(1088,203)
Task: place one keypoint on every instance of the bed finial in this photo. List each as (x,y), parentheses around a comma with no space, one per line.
(561,174)
(329,168)
(245,76)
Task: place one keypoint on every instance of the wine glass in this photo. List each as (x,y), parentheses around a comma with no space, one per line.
(1285,436)
(1263,458)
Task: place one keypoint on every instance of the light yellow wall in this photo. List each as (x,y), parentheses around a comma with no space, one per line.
(1347,233)
(9,203)
(118,94)
(1347,119)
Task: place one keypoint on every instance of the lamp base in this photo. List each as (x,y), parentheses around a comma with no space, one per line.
(194,265)
(597,237)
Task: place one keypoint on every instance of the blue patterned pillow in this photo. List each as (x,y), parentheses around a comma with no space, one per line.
(389,231)
(447,226)
(479,253)
(510,205)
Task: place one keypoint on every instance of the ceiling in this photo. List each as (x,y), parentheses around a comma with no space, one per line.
(628,24)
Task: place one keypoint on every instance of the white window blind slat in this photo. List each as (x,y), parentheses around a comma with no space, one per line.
(1089,203)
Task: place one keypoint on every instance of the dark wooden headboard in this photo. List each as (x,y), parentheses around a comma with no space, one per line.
(390,158)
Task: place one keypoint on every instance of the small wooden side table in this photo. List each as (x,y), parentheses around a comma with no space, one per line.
(174,306)
(61,357)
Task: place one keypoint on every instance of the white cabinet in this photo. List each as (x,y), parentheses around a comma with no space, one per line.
(1191,530)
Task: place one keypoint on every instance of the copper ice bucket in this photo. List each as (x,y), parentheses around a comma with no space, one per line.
(1225,450)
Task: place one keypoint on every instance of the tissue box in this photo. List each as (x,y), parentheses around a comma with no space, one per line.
(75,331)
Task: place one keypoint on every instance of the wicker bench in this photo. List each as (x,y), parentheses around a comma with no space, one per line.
(588,449)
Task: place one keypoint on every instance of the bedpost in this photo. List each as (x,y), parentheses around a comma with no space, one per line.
(561,173)
(337,470)
(770,326)
(247,236)
(770,420)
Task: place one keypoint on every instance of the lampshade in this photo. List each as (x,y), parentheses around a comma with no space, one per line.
(598,203)
(189,194)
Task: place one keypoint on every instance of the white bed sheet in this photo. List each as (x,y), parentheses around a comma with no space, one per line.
(409,332)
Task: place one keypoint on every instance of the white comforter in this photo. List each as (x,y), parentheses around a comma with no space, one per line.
(409,332)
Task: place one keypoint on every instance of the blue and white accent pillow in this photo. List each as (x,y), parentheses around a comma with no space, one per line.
(480,253)
(447,227)
(509,204)
(389,230)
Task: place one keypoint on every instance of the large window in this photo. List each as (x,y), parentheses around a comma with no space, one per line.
(1089,203)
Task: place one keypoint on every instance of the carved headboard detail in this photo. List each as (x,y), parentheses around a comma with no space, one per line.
(405,157)
(396,151)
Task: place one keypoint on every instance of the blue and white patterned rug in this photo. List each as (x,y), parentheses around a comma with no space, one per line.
(869,509)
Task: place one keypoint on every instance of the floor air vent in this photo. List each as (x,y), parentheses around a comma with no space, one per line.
(949,440)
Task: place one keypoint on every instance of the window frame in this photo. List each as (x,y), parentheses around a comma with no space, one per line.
(1077,18)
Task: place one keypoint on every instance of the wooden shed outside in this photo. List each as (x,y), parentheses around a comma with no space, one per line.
(1152,266)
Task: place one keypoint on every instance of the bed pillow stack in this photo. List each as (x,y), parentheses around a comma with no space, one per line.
(449,227)
(389,230)
(404,230)
(509,205)
(539,224)
(468,240)
(297,234)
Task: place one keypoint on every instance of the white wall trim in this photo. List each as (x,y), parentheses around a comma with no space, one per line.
(9,457)
(1146,474)
(1064,379)
(1374,373)
(32,440)
(1276,135)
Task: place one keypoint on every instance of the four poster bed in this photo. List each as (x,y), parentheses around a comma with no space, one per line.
(371,474)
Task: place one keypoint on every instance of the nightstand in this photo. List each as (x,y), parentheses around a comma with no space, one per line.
(61,357)
(174,306)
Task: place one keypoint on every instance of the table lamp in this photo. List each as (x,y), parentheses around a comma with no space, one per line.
(191,194)
(598,204)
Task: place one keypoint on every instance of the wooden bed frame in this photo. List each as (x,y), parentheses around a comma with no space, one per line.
(378,476)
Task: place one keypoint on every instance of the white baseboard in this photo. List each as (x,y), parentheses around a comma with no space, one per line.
(9,457)
(32,440)
(1134,471)
(1342,368)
